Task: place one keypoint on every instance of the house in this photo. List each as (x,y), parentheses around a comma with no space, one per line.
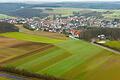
(75,33)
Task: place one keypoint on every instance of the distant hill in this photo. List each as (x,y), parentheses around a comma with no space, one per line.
(92,5)
(10,7)
(28,10)
(28,13)
(6,27)
(20,10)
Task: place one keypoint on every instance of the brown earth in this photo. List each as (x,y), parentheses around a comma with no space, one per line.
(11,49)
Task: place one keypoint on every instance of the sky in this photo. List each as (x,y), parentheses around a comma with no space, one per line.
(53,0)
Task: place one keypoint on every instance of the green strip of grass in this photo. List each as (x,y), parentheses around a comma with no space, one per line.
(28,37)
(113,44)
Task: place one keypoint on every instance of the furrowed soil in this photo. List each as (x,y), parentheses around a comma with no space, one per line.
(11,49)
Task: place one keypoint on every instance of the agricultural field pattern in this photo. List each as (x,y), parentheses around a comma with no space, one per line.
(68,59)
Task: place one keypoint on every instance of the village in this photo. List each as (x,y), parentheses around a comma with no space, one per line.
(57,24)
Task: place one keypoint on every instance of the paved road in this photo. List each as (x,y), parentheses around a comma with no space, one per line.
(112,50)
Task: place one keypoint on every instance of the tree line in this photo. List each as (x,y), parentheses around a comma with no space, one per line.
(93,32)
(7,27)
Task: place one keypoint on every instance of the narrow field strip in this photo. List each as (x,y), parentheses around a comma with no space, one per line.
(28,45)
(29,37)
(77,46)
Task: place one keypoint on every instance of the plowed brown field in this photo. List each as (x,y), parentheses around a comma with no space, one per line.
(11,49)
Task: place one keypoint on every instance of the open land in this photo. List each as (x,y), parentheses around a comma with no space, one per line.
(113,44)
(11,48)
(28,37)
(72,60)
(68,59)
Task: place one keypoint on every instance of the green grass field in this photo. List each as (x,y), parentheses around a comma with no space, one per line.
(28,37)
(113,44)
(73,60)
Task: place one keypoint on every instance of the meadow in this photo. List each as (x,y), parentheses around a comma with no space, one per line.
(113,44)
(68,59)
(28,37)
(72,60)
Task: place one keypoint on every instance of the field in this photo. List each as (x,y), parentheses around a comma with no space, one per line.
(11,48)
(69,59)
(28,37)
(72,60)
(113,44)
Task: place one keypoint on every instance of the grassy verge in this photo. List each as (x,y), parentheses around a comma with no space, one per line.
(113,45)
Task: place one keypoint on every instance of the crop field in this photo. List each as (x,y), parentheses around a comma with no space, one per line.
(28,37)
(72,60)
(11,48)
(113,44)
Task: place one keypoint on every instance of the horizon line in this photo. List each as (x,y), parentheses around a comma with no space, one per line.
(54,1)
